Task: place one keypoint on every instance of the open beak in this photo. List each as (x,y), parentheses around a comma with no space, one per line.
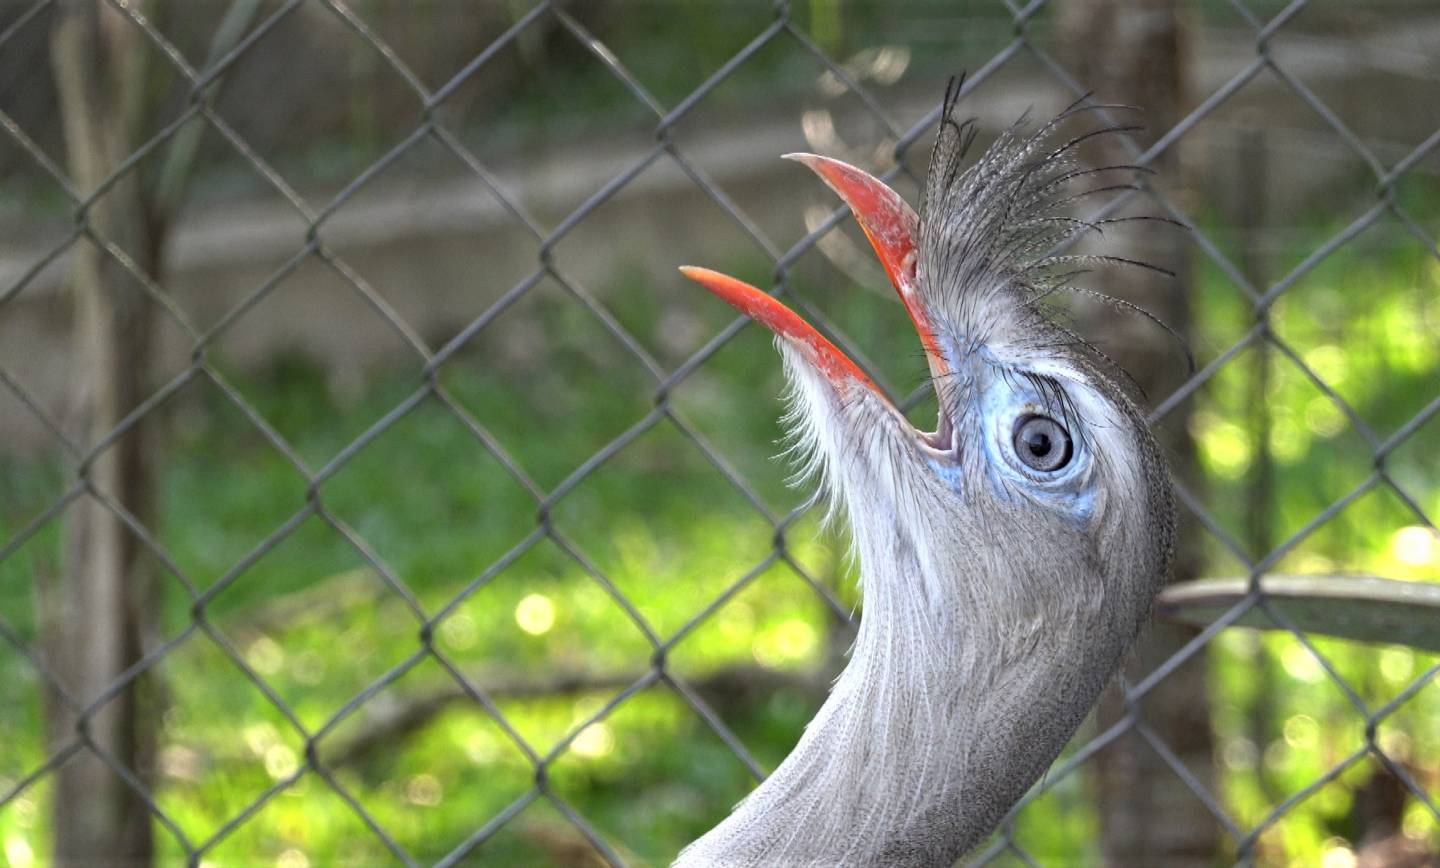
(892,227)
(838,368)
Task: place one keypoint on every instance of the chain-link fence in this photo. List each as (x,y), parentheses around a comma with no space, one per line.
(89,653)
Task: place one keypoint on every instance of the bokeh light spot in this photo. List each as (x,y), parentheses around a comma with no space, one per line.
(425,790)
(18,852)
(1302,732)
(280,761)
(595,740)
(787,642)
(265,656)
(535,614)
(1415,546)
(460,631)
(292,858)
(1338,855)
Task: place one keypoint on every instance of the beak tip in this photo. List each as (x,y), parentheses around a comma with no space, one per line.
(706,277)
(813,162)
(769,312)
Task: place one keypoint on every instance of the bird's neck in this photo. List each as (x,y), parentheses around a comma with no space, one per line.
(886,770)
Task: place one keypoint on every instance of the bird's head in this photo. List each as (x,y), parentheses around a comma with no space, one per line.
(1041,500)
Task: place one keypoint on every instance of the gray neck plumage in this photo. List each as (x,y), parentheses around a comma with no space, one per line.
(938,725)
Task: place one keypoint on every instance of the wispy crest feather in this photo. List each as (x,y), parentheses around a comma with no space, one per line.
(1004,227)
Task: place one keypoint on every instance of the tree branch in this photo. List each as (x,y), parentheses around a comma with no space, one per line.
(739,687)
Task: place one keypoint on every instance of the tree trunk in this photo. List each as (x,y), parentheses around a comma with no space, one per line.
(96,627)
(1132,51)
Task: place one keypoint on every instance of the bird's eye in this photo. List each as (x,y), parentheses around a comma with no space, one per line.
(1042,443)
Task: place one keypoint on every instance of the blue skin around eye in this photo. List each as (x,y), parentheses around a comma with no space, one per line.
(1070,490)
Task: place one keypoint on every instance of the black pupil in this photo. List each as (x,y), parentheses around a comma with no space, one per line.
(1042,443)
(1037,441)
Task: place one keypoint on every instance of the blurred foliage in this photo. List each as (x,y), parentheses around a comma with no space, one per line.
(313,618)
(316,618)
(545,86)
(1363,322)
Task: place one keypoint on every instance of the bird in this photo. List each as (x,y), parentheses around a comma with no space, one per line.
(1009,559)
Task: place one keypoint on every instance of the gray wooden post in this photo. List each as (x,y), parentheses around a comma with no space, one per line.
(95,617)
